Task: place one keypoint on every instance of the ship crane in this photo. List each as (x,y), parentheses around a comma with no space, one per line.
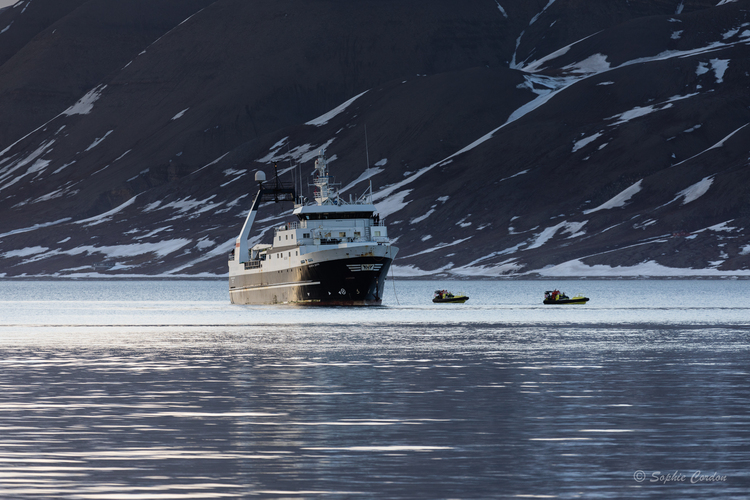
(281,191)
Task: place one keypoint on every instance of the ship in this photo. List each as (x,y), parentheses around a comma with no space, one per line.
(336,253)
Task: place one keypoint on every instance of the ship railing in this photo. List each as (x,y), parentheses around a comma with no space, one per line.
(252,264)
(231,256)
(288,225)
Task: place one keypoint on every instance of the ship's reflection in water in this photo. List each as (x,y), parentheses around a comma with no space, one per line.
(386,410)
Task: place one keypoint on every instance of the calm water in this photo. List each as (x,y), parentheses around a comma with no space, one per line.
(162,390)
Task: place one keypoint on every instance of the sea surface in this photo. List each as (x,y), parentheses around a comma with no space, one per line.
(163,390)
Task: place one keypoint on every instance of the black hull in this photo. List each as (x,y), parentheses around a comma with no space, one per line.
(566,301)
(348,282)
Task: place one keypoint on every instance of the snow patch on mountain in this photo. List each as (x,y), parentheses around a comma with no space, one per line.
(179,115)
(720,67)
(596,63)
(547,234)
(161,249)
(41,225)
(585,141)
(730,33)
(639,111)
(98,141)
(58,193)
(551,87)
(37,166)
(723,226)
(86,103)
(184,205)
(438,246)
(536,65)
(229,206)
(502,11)
(387,191)
(217,160)
(636,112)
(512,176)
(326,117)
(368,173)
(24,252)
(534,19)
(221,249)
(419,219)
(204,243)
(671,54)
(413,271)
(575,229)
(106,216)
(233,171)
(719,144)
(152,232)
(619,200)
(299,154)
(393,203)
(509,266)
(492,255)
(695,191)
(649,268)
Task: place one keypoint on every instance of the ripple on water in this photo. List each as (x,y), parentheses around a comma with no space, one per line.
(511,398)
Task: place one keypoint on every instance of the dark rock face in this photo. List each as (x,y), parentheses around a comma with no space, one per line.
(504,138)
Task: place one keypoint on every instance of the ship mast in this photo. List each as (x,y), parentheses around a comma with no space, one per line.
(323,193)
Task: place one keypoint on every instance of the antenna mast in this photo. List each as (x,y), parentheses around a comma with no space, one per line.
(367,150)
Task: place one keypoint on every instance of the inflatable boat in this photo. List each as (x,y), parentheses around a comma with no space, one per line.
(559,298)
(444,296)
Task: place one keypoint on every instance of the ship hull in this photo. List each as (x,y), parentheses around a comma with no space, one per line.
(356,281)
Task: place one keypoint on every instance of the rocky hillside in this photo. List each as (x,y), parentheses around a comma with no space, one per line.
(504,138)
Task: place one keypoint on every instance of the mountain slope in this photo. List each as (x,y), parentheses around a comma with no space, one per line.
(509,138)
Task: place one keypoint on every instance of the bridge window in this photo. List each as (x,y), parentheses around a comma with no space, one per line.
(334,216)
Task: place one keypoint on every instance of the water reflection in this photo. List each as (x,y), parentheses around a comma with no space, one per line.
(470,411)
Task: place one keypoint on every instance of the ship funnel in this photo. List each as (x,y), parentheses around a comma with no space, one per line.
(260,177)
